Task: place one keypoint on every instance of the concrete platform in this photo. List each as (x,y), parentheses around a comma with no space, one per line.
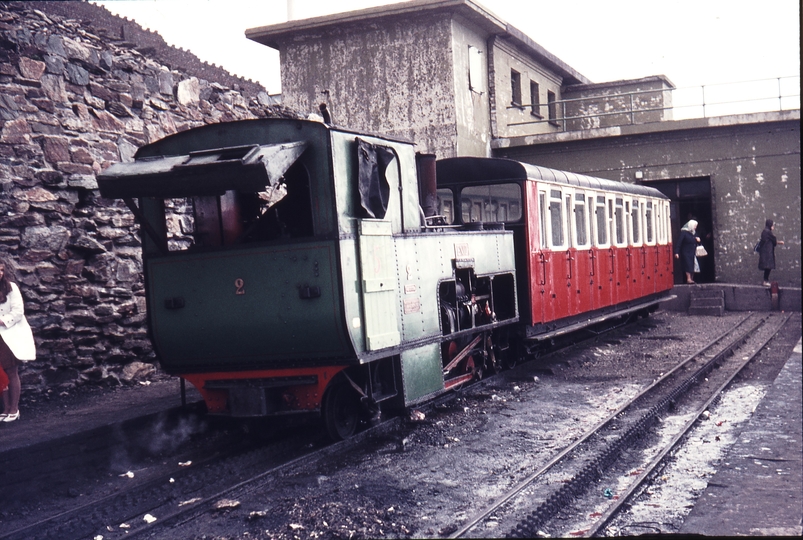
(738,297)
(758,491)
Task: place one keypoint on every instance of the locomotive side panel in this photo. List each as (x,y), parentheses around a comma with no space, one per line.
(241,308)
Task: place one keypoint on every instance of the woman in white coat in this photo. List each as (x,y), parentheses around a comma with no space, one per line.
(16,345)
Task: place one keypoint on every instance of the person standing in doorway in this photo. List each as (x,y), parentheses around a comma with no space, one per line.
(16,342)
(766,250)
(686,248)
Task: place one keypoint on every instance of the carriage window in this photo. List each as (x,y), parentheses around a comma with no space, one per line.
(495,203)
(659,217)
(542,217)
(556,217)
(602,223)
(619,221)
(648,219)
(446,205)
(580,218)
(636,220)
(568,220)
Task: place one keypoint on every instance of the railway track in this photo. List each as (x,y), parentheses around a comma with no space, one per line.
(538,504)
(197,491)
(175,493)
(182,484)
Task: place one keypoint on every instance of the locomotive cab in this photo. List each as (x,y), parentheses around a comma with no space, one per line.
(289,269)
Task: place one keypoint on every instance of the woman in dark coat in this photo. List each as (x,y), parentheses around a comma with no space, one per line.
(766,251)
(686,248)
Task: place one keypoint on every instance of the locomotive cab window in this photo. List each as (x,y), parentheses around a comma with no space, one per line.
(493,203)
(283,211)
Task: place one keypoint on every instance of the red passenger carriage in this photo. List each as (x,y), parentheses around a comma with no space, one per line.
(587,249)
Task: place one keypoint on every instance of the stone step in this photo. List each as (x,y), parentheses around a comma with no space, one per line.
(708,310)
(707,302)
(708,293)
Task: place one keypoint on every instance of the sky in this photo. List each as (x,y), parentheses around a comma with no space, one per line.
(692,42)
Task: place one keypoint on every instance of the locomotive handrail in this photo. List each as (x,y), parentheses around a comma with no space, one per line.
(593,257)
(612,253)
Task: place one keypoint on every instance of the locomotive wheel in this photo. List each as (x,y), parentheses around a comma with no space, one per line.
(341,410)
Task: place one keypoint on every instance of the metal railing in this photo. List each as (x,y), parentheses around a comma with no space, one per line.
(705,101)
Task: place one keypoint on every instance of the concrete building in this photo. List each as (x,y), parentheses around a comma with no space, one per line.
(447,74)
(457,80)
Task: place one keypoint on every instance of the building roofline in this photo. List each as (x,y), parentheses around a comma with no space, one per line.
(622,82)
(274,35)
(647,128)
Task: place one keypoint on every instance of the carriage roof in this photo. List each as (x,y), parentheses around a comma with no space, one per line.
(475,170)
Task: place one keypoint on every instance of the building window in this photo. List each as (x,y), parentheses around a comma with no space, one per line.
(515,86)
(535,100)
(552,106)
(475,81)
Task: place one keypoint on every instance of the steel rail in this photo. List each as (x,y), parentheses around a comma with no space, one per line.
(34,530)
(604,459)
(523,484)
(624,498)
(191,511)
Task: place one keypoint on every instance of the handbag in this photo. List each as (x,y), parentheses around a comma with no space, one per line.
(701,252)
(757,249)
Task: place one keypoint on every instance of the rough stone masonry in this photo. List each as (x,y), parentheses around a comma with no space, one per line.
(74,98)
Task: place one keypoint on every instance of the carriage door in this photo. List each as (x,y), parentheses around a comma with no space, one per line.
(621,259)
(378,269)
(582,281)
(559,265)
(604,254)
(646,257)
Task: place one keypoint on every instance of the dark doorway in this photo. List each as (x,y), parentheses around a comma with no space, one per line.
(691,199)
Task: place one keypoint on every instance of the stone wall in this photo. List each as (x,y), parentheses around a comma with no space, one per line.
(74,98)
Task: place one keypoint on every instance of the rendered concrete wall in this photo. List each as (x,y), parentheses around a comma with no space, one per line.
(510,120)
(617,103)
(753,163)
(395,78)
(472,112)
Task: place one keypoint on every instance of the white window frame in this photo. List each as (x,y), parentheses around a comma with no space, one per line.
(550,200)
(605,220)
(542,220)
(639,220)
(586,224)
(614,228)
(647,241)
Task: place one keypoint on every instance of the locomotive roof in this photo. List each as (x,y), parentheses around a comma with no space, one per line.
(477,170)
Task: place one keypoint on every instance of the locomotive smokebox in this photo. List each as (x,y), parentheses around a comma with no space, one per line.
(427,182)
